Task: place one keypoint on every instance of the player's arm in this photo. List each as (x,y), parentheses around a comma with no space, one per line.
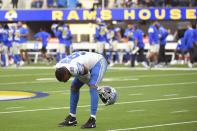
(86,71)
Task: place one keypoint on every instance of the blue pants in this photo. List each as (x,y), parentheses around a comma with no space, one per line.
(97,74)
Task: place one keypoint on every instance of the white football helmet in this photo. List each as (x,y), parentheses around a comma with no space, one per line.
(107,94)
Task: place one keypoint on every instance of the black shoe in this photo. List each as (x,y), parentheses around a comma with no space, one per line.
(69,121)
(91,123)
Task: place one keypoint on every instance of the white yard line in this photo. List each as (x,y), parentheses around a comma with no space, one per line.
(152,126)
(137,94)
(22,83)
(136,111)
(15,107)
(119,103)
(181,111)
(171,95)
(156,85)
(137,86)
(21,75)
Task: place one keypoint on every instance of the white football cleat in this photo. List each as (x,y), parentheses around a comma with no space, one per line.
(111,64)
(190,65)
(145,65)
(127,63)
(21,63)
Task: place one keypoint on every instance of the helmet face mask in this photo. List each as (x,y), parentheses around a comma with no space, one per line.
(107,94)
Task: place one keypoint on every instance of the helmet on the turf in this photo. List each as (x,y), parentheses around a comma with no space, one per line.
(107,94)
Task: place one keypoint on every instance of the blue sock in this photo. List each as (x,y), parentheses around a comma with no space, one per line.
(110,55)
(58,57)
(116,56)
(63,55)
(94,100)
(74,97)
(128,56)
(3,59)
(18,57)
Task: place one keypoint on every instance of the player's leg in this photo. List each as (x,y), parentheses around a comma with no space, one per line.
(62,50)
(97,74)
(3,55)
(115,49)
(74,98)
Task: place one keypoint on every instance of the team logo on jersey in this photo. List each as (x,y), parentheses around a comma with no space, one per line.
(11,15)
(20,95)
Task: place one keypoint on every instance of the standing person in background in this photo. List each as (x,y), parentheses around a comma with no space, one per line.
(138,47)
(195,42)
(2,55)
(163,33)
(15,4)
(7,40)
(188,37)
(69,42)
(113,36)
(154,43)
(180,49)
(130,45)
(61,32)
(44,37)
(101,36)
(16,50)
(50,3)
(23,41)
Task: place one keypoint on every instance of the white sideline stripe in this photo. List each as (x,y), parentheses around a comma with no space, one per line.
(170,95)
(161,125)
(179,111)
(138,94)
(139,68)
(137,86)
(111,68)
(120,103)
(136,111)
(14,107)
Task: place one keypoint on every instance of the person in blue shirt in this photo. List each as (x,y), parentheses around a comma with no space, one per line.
(113,36)
(7,40)
(130,45)
(163,33)
(138,47)
(61,3)
(3,57)
(101,36)
(23,41)
(73,4)
(188,38)
(181,49)
(62,33)
(44,37)
(69,42)
(154,43)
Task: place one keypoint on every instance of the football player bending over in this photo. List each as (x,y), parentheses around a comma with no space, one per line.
(87,68)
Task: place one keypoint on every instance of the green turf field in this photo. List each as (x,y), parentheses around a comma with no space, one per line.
(147,101)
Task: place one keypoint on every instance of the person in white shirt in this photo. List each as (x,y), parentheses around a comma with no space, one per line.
(87,68)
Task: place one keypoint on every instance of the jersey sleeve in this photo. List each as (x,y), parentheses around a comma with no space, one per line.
(75,69)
